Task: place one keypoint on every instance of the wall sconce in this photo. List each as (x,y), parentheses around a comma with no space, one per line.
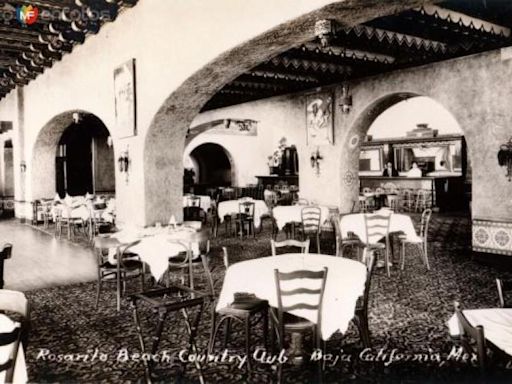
(315,160)
(23,166)
(505,158)
(346,99)
(324,31)
(124,161)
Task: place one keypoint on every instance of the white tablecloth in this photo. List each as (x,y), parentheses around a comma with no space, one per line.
(355,223)
(205,202)
(285,214)
(345,283)
(20,369)
(230,207)
(497,323)
(155,249)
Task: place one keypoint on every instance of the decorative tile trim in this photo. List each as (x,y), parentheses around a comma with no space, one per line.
(492,236)
(8,203)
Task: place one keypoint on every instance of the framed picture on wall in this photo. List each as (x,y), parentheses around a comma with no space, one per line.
(125,99)
(319,119)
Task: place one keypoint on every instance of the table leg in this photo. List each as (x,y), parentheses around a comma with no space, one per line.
(296,349)
(147,370)
(192,328)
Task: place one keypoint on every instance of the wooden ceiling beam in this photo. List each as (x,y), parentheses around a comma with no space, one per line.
(347,53)
(463,20)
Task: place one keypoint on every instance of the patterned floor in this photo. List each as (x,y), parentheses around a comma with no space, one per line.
(71,341)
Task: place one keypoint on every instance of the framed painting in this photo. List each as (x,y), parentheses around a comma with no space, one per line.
(319,119)
(125,99)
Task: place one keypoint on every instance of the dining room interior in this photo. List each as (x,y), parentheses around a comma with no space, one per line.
(321,196)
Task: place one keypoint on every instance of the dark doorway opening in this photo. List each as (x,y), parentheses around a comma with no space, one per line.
(214,167)
(85,158)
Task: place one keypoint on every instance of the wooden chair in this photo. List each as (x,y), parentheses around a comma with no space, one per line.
(504,286)
(393,202)
(5,253)
(303,246)
(377,228)
(127,266)
(245,309)
(186,264)
(472,339)
(310,227)
(192,210)
(342,243)
(406,197)
(270,199)
(420,241)
(245,219)
(16,302)
(291,299)
(12,341)
(423,200)
(390,188)
(65,220)
(361,311)
(363,204)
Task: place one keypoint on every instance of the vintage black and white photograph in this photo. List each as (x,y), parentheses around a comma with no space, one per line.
(256,191)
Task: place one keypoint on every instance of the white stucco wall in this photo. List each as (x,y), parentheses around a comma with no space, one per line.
(170,40)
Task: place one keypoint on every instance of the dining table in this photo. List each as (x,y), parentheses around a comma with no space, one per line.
(344,285)
(157,244)
(231,207)
(355,223)
(287,214)
(20,368)
(205,202)
(497,324)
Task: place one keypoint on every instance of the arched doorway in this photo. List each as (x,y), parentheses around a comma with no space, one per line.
(74,149)
(418,132)
(165,139)
(213,167)
(438,148)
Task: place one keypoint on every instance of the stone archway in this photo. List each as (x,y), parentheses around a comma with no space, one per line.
(355,135)
(42,172)
(165,140)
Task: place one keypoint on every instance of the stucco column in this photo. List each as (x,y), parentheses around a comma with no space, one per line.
(18,143)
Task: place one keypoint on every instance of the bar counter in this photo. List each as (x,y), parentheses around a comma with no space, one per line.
(447,190)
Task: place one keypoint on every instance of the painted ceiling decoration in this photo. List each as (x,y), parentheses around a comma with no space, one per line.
(27,50)
(419,36)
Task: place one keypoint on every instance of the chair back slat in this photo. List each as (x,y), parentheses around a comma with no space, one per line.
(377,227)
(295,299)
(298,291)
(303,246)
(300,306)
(300,274)
(311,216)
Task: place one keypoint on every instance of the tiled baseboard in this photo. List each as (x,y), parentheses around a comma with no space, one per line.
(492,236)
